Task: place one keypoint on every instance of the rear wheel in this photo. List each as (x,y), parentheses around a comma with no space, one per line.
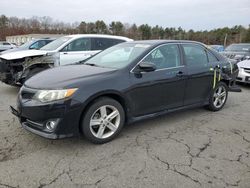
(103,120)
(218,97)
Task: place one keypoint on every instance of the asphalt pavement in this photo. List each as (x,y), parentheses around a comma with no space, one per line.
(192,148)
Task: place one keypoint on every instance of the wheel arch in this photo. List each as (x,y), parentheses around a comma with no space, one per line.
(110,94)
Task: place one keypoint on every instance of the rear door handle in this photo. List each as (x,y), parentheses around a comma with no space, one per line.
(179,74)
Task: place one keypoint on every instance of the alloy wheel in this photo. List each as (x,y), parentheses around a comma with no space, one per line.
(105,121)
(219,96)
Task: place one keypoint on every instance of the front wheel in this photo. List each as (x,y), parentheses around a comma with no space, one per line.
(103,120)
(218,97)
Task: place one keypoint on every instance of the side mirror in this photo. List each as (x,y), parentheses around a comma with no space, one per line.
(147,67)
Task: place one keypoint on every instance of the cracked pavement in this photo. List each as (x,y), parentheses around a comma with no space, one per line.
(192,148)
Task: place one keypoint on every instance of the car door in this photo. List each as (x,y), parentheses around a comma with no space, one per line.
(77,50)
(160,89)
(200,74)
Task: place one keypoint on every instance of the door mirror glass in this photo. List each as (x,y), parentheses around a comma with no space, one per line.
(147,67)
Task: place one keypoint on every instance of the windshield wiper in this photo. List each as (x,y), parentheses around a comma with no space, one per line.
(91,64)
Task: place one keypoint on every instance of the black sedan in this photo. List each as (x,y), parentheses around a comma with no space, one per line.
(125,83)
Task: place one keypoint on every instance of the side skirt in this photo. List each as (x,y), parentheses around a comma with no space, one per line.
(164,112)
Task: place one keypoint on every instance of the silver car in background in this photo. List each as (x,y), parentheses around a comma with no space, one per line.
(6,46)
(34,44)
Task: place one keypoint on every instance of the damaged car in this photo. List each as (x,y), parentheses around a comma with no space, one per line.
(238,52)
(17,67)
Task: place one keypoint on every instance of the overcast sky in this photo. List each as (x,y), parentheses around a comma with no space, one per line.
(189,14)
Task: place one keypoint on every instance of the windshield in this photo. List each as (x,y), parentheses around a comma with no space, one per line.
(118,56)
(27,44)
(55,44)
(238,47)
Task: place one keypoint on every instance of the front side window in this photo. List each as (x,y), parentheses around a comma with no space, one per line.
(34,45)
(195,55)
(56,44)
(82,44)
(166,56)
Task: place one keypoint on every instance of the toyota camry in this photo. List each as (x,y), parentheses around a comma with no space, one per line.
(125,83)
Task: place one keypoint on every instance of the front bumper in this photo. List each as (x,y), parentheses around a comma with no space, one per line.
(10,74)
(34,115)
(244,75)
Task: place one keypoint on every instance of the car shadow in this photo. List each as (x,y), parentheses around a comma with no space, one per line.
(133,129)
(244,85)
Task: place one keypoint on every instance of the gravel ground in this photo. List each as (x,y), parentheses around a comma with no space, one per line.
(193,148)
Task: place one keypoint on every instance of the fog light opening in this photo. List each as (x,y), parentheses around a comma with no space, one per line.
(51,125)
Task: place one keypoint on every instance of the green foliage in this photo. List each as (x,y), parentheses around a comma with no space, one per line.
(16,26)
(145,31)
(116,28)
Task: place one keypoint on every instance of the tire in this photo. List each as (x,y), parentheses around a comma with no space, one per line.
(103,120)
(219,94)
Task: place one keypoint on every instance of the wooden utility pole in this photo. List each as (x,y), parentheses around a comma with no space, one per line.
(225,40)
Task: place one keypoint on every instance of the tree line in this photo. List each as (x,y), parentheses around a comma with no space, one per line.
(41,25)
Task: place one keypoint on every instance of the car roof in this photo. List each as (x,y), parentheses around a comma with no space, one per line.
(159,42)
(99,36)
(241,44)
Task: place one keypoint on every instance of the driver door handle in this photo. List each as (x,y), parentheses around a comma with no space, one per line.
(179,74)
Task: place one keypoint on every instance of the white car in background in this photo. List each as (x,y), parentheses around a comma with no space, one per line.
(16,67)
(6,46)
(244,71)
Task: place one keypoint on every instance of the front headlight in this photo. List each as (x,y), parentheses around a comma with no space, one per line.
(53,95)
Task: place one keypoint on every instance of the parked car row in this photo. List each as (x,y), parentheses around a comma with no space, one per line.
(127,82)
(240,53)
(18,66)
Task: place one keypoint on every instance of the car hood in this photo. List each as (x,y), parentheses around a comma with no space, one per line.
(21,54)
(244,64)
(64,76)
(11,50)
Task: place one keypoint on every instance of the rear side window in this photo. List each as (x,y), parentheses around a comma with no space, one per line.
(6,43)
(82,44)
(195,55)
(104,43)
(166,56)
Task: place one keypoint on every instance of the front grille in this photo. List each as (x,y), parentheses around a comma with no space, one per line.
(247,70)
